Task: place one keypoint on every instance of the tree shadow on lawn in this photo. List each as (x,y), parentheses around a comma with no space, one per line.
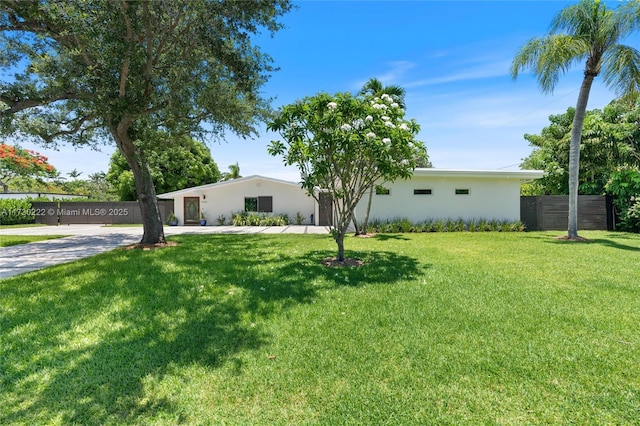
(87,339)
(600,241)
(387,237)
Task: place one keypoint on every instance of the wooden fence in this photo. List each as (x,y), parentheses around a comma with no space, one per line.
(108,213)
(550,212)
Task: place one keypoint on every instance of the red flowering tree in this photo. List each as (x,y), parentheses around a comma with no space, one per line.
(18,162)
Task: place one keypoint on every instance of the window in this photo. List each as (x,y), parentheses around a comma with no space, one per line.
(250,204)
(381,190)
(422,192)
(258,204)
(462,192)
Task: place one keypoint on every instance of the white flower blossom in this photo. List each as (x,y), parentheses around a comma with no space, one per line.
(368,118)
(358,124)
(394,105)
(404,126)
(386,97)
(332,105)
(346,127)
(389,124)
(385,118)
(379,106)
(386,140)
(370,135)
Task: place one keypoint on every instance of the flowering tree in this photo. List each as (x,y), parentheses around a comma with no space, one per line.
(344,144)
(18,162)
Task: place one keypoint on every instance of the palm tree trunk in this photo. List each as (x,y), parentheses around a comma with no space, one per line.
(574,153)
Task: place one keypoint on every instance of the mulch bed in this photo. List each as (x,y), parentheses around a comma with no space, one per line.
(141,246)
(577,240)
(332,262)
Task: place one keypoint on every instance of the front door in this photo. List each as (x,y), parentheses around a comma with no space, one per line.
(192,210)
(325,209)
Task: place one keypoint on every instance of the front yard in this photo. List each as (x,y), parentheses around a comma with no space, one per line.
(442,328)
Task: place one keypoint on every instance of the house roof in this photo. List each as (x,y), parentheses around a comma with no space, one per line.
(523,175)
(170,195)
(506,174)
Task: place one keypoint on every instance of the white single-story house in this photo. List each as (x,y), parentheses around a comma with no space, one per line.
(251,193)
(429,194)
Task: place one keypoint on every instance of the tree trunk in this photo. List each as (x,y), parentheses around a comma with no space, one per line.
(5,187)
(340,241)
(365,223)
(574,153)
(355,224)
(153,231)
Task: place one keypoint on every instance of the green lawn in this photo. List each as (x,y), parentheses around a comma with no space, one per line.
(445,328)
(12,240)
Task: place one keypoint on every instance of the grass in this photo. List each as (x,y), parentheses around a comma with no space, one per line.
(27,225)
(451,328)
(12,240)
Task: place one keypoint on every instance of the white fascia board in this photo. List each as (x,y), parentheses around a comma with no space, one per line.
(171,195)
(506,174)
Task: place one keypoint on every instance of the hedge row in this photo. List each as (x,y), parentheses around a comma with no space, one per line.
(16,212)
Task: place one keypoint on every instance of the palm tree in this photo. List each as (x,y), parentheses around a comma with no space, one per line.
(374,87)
(590,32)
(234,172)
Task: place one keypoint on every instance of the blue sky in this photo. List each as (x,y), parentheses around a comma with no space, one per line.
(452,57)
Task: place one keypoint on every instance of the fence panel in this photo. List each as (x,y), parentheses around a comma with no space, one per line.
(105,213)
(550,212)
(46,212)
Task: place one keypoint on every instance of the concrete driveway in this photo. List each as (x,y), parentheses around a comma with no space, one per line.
(88,240)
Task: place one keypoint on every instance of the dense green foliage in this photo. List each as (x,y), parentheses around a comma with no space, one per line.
(404,225)
(610,139)
(344,144)
(624,185)
(259,219)
(95,186)
(175,163)
(15,212)
(443,328)
(88,70)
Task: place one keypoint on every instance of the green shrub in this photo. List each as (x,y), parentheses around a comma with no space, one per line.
(16,212)
(624,185)
(404,225)
(258,219)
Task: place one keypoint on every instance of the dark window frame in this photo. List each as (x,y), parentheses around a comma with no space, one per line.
(463,191)
(263,204)
(423,192)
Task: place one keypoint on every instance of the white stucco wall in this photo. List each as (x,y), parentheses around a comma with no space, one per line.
(489,198)
(228,197)
(493,194)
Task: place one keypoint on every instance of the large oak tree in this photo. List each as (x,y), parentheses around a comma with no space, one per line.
(87,70)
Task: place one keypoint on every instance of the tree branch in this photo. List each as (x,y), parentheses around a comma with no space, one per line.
(17,105)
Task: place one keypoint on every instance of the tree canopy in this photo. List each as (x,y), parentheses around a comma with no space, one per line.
(94,69)
(610,139)
(16,162)
(586,32)
(175,163)
(344,144)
